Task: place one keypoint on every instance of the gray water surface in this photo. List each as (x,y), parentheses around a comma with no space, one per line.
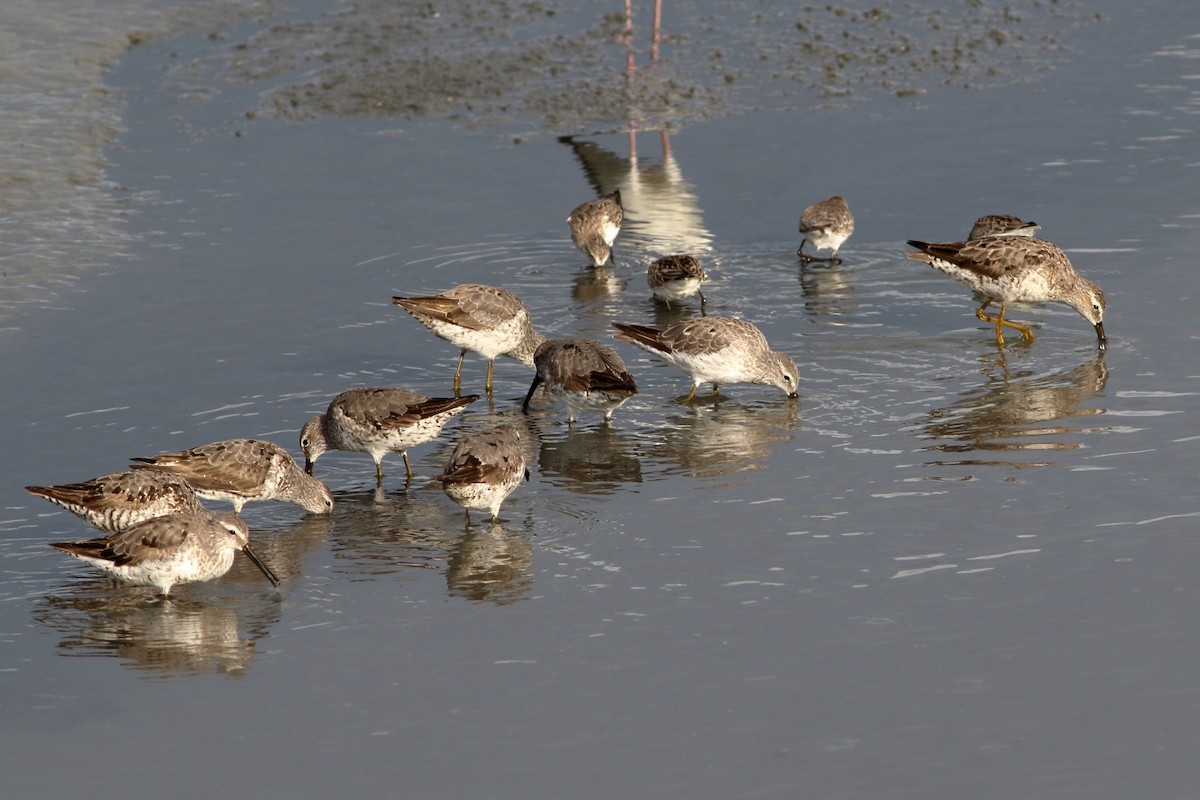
(949,570)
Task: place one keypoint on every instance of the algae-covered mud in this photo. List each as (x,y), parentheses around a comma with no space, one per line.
(584,66)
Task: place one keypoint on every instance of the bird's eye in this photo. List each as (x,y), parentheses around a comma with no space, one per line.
(304,442)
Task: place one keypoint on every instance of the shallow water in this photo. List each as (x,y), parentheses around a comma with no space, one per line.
(947,570)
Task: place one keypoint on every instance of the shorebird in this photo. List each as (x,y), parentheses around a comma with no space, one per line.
(164,551)
(585,375)
(479,318)
(484,469)
(241,471)
(121,500)
(594,226)
(676,278)
(378,421)
(826,224)
(716,349)
(1002,225)
(1016,269)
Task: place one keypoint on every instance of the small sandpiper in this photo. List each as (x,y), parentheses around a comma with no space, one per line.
(484,469)
(378,421)
(584,375)
(675,278)
(121,500)
(241,471)
(716,349)
(1002,225)
(1016,269)
(595,224)
(177,548)
(827,225)
(479,318)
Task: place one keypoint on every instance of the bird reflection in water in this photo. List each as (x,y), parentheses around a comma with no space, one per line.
(284,546)
(827,289)
(598,460)
(490,564)
(383,536)
(175,637)
(726,438)
(417,529)
(209,628)
(1015,413)
(661,209)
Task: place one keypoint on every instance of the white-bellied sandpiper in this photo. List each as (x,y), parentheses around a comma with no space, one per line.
(1016,269)
(164,551)
(716,349)
(378,421)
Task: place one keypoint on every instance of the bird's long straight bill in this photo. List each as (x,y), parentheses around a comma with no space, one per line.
(1100,334)
(263,568)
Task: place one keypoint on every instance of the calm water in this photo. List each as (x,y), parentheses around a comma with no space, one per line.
(947,571)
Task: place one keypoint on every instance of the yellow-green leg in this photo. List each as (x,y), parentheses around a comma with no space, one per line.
(692,393)
(407,468)
(488,383)
(458,373)
(1001,323)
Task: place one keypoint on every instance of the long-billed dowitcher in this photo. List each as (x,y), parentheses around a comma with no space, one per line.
(164,551)
(121,500)
(716,349)
(827,225)
(241,471)
(1002,225)
(378,421)
(675,278)
(584,375)
(484,469)
(479,318)
(1016,269)
(594,226)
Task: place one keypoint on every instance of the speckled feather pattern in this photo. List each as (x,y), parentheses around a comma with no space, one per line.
(1002,225)
(379,420)
(717,350)
(485,468)
(827,224)
(675,278)
(121,500)
(594,226)
(482,319)
(164,551)
(241,471)
(585,375)
(1012,269)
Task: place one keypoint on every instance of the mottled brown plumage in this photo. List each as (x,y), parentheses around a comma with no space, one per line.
(484,469)
(378,421)
(241,471)
(675,278)
(594,226)
(717,350)
(121,500)
(827,225)
(478,318)
(1002,225)
(1015,269)
(164,551)
(585,375)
